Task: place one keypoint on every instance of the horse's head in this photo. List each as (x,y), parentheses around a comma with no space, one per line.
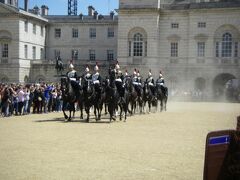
(65,83)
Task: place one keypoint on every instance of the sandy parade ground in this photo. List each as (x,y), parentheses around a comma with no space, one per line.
(162,146)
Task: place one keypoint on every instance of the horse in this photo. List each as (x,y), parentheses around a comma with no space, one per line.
(123,99)
(162,96)
(148,96)
(89,95)
(59,65)
(69,97)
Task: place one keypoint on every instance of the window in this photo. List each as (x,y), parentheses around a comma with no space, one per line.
(227,45)
(4,50)
(34,52)
(75,33)
(174,49)
(41,53)
(34,28)
(74,54)
(174,25)
(25,26)
(217,49)
(92,55)
(26,51)
(57,33)
(56,53)
(236,49)
(201,24)
(110,55)
(92,33)
(129,48)
(110,32)
(41,30)
(138,45)
(201,49)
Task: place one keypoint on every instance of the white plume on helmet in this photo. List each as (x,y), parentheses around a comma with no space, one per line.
(149,73)
(96,68)
(71,66)
(87,69)
(135,72)
(117,66)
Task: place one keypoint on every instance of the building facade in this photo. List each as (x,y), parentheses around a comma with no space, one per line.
(195,44)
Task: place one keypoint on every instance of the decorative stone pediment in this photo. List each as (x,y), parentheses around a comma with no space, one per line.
(201,37)
(5,35)
(173,37)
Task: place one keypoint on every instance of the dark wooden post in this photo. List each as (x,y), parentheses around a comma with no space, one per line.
(238,123)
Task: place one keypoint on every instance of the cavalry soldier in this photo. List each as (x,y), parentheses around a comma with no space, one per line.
(97,80)
(72,75)
(119,80)
(126,77)
(160,82)
(87,75)
(150,82)
(136,80)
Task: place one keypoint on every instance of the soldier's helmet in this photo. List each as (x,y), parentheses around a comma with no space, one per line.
(96,68)
(71,66)
(117,67)
(135,72)
(138,73)
(149,73)
(160,74)
(126,73)
(87,69)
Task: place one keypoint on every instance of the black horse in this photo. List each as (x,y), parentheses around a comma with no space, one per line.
(89,96)
(70,97)
(162,96)
(148,96)
(59,65)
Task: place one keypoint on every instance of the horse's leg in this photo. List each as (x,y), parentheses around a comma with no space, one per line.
(161,105)
(81,109)
(87,112)
(63,110)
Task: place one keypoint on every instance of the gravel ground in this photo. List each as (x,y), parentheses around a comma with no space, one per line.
(162,146)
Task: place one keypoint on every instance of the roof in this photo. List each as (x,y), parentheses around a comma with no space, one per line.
(21,12)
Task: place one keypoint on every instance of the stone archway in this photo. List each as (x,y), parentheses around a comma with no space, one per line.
(219,83)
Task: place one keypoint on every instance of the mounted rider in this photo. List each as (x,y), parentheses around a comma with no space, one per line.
(119,79)
(137,82)
(150,82)
(72,75)
(161,83)
(97,80)
(87,75)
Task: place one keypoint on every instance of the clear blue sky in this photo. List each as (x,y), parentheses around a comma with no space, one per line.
(59,7)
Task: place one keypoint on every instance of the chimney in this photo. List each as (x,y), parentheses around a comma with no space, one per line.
(90,10)
(26,5)
(95,15)
(112,15)
(36,10)
(44,10)
(81,16)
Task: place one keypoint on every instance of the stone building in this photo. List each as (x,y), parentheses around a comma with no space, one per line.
(195,43)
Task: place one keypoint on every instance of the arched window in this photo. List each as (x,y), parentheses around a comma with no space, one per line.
(227,45)
(138,45)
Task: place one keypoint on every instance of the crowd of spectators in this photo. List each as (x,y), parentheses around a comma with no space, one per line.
(23,99)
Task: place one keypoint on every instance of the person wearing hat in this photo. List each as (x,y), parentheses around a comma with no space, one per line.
(87,75)
(72,74)
(160,82)
(97,80)
(150,82)
(136,80)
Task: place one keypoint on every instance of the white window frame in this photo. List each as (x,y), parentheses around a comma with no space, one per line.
(227,42)
(92,33)
(110,32)
(5,50)
(110,55)
(92,55)
(74,33)
(201,49)
(26,26)
(138,45)
(201,24)
(174,49)
(57,32)
(174,25)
